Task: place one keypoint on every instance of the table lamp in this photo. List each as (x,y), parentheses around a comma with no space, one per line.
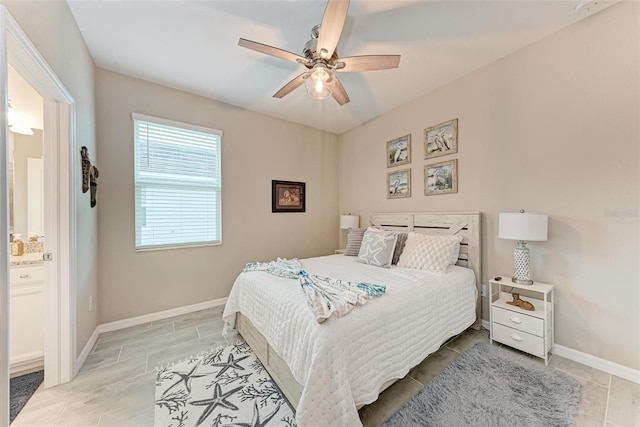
(349,221)
(522,227)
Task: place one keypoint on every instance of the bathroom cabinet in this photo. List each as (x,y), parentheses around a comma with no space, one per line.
(26,335)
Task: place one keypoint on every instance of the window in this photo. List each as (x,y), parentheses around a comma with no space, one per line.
(177,179)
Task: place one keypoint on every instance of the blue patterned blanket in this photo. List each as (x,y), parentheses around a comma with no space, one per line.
(324,295)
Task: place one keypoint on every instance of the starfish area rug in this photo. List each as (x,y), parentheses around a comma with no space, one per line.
(225,387)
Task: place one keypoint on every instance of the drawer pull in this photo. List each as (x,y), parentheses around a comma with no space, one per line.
(515,320)
(516,337)
(24,276)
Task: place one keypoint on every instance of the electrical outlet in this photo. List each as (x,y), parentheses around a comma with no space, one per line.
(483,291)
(91,303)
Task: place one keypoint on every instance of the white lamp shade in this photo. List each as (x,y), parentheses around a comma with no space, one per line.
(523,226)
(349,221)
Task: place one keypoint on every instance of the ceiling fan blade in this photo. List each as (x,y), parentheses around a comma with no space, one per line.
(367,63)
(339,94)
(289,87)
(272,51)
(331,27)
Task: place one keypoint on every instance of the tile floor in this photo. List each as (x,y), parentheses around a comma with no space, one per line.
(116,384)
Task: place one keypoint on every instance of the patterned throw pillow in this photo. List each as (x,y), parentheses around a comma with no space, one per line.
(377,248)
(426,252)
(402,240)
(354,241)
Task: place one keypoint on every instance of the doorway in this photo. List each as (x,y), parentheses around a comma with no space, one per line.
(26,226)
(60,172)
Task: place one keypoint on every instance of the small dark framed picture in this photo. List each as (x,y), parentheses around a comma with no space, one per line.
(287,196)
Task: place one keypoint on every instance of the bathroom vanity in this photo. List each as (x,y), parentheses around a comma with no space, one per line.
(26,335)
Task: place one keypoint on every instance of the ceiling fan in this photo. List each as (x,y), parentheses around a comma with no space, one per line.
(321,59)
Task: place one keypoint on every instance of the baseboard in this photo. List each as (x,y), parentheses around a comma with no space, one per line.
(604,365)
(613,368)
(25,363)
(160,315)
(140,320)
(87,349)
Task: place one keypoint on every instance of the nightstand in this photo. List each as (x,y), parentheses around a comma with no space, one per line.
(340,251)
(529,331)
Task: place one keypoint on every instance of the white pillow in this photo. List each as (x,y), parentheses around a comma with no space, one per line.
(432,253)
(456,253)
(377,247)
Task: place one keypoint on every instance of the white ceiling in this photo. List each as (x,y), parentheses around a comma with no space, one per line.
(193,46)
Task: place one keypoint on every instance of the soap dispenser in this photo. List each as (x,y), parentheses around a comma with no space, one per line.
(17,246)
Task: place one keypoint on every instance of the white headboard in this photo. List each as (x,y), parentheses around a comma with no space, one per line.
(466,224)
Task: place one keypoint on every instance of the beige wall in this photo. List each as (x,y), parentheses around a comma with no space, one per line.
(53,30)
(255,150)
(553,128)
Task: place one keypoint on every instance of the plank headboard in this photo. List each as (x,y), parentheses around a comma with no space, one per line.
(466,224)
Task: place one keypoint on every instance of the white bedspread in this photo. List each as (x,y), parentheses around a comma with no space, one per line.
(343,362)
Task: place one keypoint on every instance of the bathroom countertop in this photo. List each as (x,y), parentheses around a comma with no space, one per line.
(26,259)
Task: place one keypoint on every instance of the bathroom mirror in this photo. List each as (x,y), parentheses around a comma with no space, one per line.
(26,176)
(25,184)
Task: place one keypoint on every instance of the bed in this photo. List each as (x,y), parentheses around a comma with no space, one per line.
(327,371)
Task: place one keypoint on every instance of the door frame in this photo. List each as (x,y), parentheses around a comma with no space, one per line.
(61,173)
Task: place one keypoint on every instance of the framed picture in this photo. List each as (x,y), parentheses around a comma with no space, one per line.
(440,140)
(441,178)
(399,151)
(287,196)
(399,184)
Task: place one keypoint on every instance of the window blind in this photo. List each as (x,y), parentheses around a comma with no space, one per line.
(177,184)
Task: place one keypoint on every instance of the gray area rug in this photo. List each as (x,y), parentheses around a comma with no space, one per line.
(20,391)
(491,386)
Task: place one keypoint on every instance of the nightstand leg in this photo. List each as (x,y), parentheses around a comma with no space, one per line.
(490,299)
(547,347)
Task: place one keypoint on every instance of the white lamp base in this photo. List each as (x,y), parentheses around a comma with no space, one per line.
(521,270)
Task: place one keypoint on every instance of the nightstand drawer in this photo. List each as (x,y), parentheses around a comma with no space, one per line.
(518,339)
(519,321)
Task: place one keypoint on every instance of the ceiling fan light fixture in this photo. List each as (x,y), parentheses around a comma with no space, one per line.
(17,124)
(11,115)
(22,128)
(322,60)
(319,81)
